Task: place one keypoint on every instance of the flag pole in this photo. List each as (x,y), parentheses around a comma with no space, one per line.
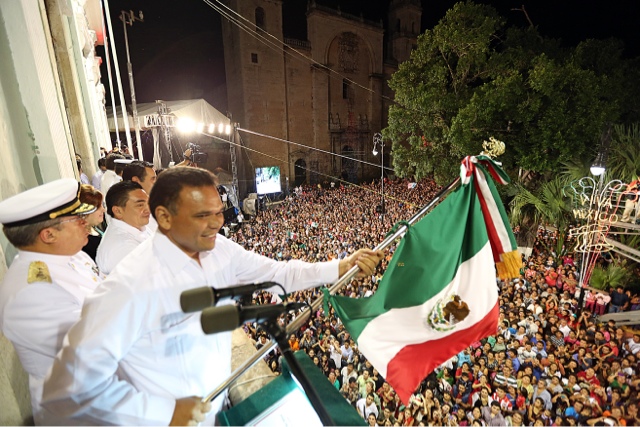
(337,286)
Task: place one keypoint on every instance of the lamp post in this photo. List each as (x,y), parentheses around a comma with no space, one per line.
(377,140)
(128,18)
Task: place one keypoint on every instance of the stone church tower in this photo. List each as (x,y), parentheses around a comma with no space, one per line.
(327,93)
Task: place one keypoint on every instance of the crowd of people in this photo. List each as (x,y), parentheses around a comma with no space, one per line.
(550,362)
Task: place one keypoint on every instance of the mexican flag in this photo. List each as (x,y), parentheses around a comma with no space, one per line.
(439,293)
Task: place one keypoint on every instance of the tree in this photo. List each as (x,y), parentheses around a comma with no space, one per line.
(471,78)
(545,204)
(613,275)
(624,155)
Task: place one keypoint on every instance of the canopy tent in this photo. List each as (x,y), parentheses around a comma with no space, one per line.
(197,110)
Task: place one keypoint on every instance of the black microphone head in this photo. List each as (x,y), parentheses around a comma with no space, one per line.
(219,319)
(197,299)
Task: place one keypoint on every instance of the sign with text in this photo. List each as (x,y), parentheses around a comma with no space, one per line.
(156,120)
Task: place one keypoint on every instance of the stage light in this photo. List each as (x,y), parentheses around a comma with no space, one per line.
(212,128)
(200,127)
(185,125)
(227,129)
(221,128)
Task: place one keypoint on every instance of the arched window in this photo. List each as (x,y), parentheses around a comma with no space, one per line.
(346,87)
(260,18)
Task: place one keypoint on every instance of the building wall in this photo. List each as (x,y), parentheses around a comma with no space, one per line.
(37,141)
(255,79)
(404,27)
(327,92)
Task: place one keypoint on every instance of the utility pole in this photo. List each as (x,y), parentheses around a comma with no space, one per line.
(128,18)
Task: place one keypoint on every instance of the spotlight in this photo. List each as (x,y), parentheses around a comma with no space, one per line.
(185,125)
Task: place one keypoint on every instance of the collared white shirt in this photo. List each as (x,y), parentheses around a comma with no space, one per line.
(108,179)
(36,316)
(97,179)
(118,241)
(133,324)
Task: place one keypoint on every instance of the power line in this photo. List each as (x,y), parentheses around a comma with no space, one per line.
(313,148)
(285,162)
(250,29)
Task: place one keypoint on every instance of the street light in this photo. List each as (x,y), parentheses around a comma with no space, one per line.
(598,167)
(377,140)
(128,18)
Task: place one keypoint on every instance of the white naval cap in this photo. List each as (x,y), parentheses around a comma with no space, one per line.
(45,202)
(123,161)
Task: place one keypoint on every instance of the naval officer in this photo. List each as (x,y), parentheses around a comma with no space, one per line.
(42,293)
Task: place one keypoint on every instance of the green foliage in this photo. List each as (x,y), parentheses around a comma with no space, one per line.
(546,203)
(612,276)
(471,78)
(624,155)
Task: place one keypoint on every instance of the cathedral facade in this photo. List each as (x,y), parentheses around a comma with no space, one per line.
(328,94)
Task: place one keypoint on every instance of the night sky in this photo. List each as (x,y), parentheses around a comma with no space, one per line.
(177,51)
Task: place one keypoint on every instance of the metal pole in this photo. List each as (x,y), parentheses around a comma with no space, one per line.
(382,174)
(116,67)
(346,278)
(136,123)
(107,41)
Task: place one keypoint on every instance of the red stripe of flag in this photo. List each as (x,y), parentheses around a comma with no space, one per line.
(414,362)
(494,239)
(492,170)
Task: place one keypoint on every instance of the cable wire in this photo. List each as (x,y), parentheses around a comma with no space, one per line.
(285,162)
(250,29)
(313,148)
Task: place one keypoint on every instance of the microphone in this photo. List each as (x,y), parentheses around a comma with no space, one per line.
(229,317)
(200,298)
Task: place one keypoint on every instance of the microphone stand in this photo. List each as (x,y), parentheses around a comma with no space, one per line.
(280,336)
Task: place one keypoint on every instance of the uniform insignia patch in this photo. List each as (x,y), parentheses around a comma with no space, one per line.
(38,272)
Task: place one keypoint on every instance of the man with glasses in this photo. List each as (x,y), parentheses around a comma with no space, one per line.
(45,286)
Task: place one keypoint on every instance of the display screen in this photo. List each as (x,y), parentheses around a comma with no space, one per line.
(268,180)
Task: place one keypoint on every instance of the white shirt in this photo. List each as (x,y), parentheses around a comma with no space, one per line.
(365,410)
(96,179)
(108,179)
(633,346)
(36,316)
(565,330)
(84,179)
(133,324)
(118,242)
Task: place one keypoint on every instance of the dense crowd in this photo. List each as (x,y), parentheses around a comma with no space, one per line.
(551,362)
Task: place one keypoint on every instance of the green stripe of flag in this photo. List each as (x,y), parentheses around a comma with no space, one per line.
(425,261)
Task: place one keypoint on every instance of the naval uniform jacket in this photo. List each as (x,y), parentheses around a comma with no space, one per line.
(40,298)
